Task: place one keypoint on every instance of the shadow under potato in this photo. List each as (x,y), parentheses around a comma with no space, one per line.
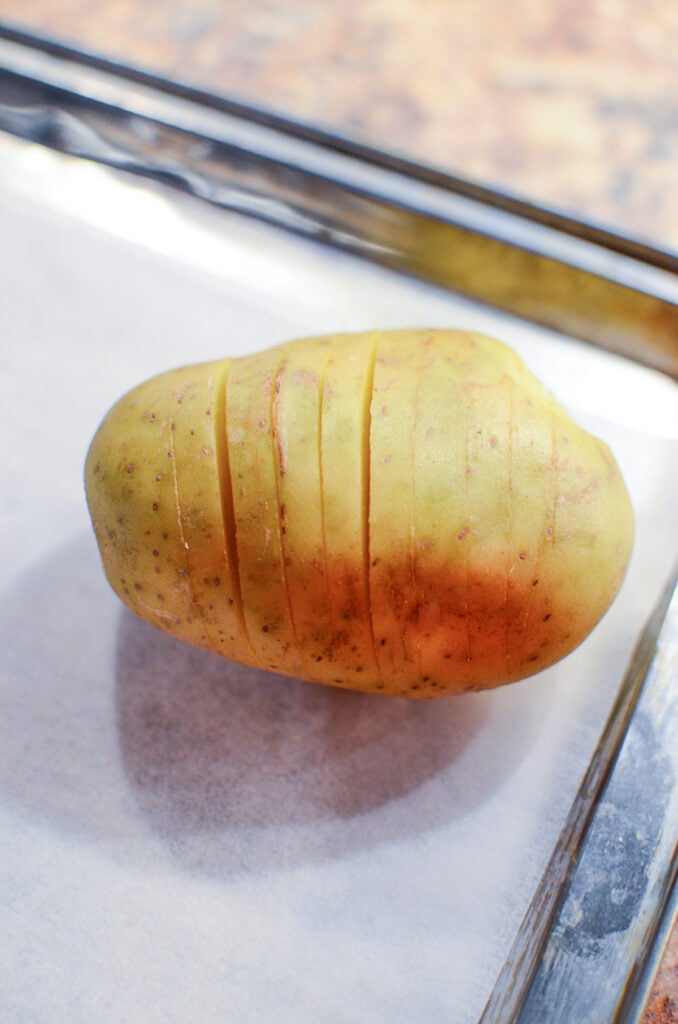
(110,727)
(208,742)
(242,770)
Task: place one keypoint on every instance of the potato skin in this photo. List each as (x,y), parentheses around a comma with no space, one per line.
(403,512)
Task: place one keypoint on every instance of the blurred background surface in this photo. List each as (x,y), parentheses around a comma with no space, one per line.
(572,104)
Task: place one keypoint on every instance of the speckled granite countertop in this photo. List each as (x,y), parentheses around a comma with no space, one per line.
(571,104)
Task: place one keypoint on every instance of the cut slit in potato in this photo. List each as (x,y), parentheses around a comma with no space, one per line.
(406,512)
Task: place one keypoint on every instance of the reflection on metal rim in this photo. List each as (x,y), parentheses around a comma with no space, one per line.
(567,276)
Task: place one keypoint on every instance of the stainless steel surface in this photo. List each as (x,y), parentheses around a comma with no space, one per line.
(587,282)
(624,874)
(583,947)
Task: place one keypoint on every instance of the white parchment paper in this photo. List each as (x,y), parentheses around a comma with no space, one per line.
(185,840)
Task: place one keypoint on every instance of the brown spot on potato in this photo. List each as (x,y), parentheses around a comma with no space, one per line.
(459,617)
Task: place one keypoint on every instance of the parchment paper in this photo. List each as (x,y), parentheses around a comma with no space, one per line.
(185,840)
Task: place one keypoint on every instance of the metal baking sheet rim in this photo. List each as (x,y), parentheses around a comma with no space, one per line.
(84,125)
(542,266)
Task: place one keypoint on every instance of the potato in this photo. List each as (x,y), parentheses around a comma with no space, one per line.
(405,512)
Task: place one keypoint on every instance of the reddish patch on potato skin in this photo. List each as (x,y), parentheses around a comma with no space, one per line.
(417,614)
(462,631)
(340,641)
(473,631)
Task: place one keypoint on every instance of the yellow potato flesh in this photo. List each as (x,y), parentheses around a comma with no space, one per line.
(405,512)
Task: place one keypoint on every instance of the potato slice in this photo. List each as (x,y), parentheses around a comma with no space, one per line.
(198,442)
(392,541)
(349,657)
(295,425)
(254,469)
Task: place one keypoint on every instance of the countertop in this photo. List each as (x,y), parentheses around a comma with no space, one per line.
(572,104)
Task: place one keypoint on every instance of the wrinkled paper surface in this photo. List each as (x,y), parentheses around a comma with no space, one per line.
(186,840)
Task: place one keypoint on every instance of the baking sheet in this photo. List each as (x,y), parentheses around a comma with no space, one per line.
(185,839)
